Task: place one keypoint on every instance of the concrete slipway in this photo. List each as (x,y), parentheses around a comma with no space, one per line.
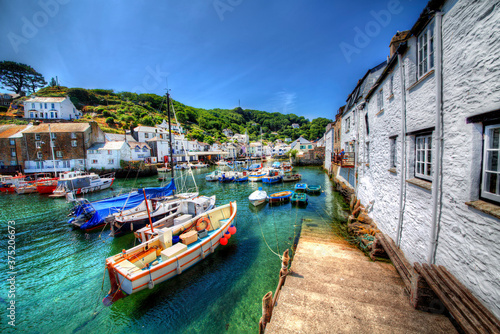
(335,288)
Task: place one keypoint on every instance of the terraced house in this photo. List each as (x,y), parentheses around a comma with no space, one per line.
(427,144)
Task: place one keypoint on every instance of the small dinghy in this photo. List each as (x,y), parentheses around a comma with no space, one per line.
(280,197)
(314,189)
(300,187)
(299,199)
(258,197)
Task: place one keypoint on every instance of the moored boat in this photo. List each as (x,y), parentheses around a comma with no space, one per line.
(241,177)
(300,187)
(314,189)
(280,197)
(272,176)
(81,183)
(162,258)
(289,177)
(299,199)
(226,177)
(214,176)
(187,209)
(258,197)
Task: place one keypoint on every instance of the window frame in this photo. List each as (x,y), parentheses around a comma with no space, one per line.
(37,136)
(425,162)
(425,50)
(393,157)
(13,153)
(59,154)
(486,194)
(380,99)
(12,142)
(74,143)
(39,155)
(38,144)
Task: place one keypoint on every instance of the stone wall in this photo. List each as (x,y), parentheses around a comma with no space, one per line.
(468,239)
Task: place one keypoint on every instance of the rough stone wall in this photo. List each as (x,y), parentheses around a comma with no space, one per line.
(468,239)
(5,152)
(62,143)
(328,150)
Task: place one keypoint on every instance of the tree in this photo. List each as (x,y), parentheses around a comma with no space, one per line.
(53,82)
(110,120)
(20,77)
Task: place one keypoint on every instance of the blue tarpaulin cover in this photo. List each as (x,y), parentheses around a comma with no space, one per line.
(108,206)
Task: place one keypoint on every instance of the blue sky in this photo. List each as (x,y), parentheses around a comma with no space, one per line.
(296,56)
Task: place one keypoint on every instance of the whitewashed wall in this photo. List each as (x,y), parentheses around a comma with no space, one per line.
(468,239)
(328,149)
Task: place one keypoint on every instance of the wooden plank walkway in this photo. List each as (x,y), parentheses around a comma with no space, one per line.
(335,288)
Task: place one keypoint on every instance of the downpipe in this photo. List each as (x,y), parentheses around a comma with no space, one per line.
(402,189)
(436,178)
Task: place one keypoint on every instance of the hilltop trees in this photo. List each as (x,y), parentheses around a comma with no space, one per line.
(20,78)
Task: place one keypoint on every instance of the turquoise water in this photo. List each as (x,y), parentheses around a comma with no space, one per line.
(59,280)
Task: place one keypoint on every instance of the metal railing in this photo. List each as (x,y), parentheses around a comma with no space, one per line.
(345,159)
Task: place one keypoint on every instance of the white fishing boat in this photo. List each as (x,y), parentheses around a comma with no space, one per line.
(290,177)
(198,165)
(130,220)
(186,210)
(258,197)
(76,183)
(162,258)
(214,176)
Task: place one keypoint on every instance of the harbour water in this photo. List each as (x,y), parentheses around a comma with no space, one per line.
(60,279)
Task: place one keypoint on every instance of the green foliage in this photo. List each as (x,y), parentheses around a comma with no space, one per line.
(110,120)
(20,77)
(147,120)
(292,153)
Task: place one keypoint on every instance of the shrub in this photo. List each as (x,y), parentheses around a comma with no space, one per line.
(110,120)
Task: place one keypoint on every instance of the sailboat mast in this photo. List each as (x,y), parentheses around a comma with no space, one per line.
(52,148)
(170,135)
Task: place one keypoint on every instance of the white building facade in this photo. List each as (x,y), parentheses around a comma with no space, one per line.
(108,155)
(439,199)
(50,108)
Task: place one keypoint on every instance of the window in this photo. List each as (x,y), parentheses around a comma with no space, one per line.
(73,143)
(45,105)
(53,135)
(39,155)
(425,53)
(391,86)
(12,152)
(46,115)
(491,172)
(394,153)
(41,115)
(51,114)
(94,162)
(73,135)
(38,144)
(367,124)
(37,136)
(56,115)
(32,106)
(380,99)
(12,142)
(347,124)
(137,149)
(423,158)
(144,149)
(59,154)
(36,115)
(52,105)
(31,115)
(110,152)
(111,161)
(13,162)
(146,135)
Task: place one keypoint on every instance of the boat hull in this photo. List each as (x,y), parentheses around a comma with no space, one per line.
(46,189)
(273,179)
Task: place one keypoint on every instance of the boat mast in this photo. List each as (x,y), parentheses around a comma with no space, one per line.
(170,135)
(52,148)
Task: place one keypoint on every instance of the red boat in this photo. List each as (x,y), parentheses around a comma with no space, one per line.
(8,184)
(47,186)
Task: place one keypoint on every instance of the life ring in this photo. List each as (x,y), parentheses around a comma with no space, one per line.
(202,223)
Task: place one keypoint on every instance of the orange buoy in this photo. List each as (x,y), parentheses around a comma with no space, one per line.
(223,241)
(232,229)
(227,235)
(202,223)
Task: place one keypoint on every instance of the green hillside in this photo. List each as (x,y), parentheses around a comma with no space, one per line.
(116,112)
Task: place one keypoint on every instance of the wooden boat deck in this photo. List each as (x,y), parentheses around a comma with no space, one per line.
(335,288)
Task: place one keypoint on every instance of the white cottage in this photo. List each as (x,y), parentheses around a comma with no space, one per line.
(429,141)
(50,108)
(108,155)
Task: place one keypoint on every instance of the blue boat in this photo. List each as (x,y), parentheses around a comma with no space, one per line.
(280,197)
(300,187)
(272,176)
(276,164)
(226,177)
(91,215)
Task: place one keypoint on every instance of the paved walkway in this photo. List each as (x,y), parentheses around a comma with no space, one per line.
(335,288)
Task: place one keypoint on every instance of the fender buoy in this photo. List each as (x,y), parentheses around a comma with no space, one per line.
(202,223)
(227,235)
(232,229)
(223,241)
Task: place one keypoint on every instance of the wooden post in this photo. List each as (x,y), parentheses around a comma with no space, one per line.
(267,309)
(284,263)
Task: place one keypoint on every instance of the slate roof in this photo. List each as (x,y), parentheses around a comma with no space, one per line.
(58,127)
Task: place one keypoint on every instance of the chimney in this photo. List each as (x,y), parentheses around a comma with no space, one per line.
(400,37)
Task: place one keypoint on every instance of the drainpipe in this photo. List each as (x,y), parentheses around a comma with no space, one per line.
(402,187)
(436,178)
